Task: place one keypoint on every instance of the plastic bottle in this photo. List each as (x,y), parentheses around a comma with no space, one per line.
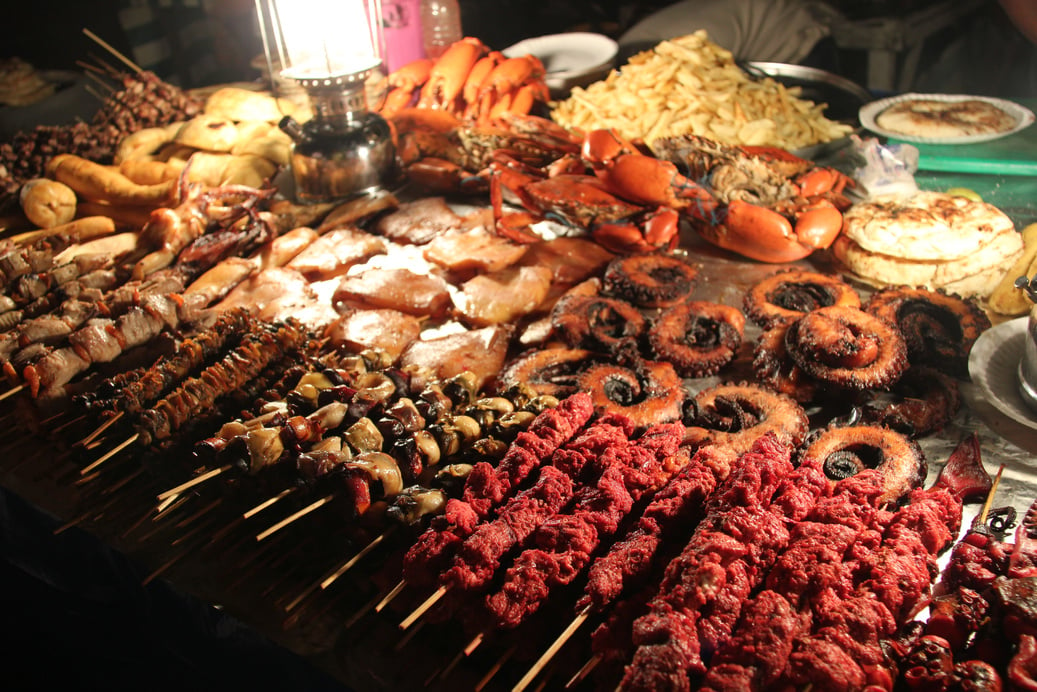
(404,39)
(440,25)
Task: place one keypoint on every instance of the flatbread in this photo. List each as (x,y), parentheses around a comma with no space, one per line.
(235,103)
(930,226)
(208,133)
(944,119)
(967,275)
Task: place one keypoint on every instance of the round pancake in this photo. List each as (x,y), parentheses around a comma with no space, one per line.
(939,118)
(884,270)
(926,226)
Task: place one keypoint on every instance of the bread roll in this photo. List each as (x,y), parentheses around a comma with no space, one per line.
(48,203)
(208,133)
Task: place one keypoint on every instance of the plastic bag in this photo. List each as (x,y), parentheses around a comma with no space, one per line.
(886,170)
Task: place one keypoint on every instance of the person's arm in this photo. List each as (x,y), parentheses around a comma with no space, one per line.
(1023,14)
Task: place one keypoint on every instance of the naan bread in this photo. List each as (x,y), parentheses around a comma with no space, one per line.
(208,133)
(931,226)
(975,275)
(235,103)
(938,118)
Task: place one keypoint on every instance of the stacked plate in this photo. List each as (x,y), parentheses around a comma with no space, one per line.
(571,60)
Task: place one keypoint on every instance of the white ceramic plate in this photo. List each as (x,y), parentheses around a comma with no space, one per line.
(568,57)
(993,365)
(869,112)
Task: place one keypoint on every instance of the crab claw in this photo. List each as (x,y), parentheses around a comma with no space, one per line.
(448,76)
(656,230)
(765,235)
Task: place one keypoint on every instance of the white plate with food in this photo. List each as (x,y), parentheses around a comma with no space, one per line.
(572,59)
(994,364)
(945,118)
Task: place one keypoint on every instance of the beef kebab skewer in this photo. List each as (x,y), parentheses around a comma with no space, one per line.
(478,556)
(563,545)
(835,579)
(626,565)
(487,488)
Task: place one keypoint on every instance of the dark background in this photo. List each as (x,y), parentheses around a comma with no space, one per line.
(73,612)
(989,55)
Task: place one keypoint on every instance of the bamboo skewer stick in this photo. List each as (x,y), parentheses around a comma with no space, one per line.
(100,429)
(104,44)
(474,644)
(981,518)
(197,480)
(424,607)
(446,671)
(121,446)
(358,615)
(268,503)
(495,668)
(297,515)
(348,565)
(556,645)
(584,671)
(408,636)
(11,392)
(393,593)
(55,431)
(190,519)
(337,572)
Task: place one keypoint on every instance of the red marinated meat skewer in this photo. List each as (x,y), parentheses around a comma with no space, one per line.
(816,563)
(629,562)
(478,557)
(563,546)
(893,582)
(679,504)
(489,486)
(586,456)
(699,599)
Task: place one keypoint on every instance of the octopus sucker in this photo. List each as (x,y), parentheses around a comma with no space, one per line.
(697,337)
(596,322)
(734,416)
(847,347)
(553,371)
(938,327)
(844,451)
(650,280)
(646,392)
(925,399)
(789,294)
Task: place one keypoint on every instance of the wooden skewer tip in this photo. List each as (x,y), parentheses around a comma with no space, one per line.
(391,595)
(121,446)
(197,480)
(11,392)
(552,650)
(297,515)
(424,607)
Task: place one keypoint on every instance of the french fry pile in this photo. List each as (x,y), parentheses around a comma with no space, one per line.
(692,86)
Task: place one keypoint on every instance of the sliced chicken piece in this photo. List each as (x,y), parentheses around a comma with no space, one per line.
(397,289)
(419,221)
(480,351)
(504,296)
(391,331)
(332,254)
(474,251)
(265,287)
(570,260)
